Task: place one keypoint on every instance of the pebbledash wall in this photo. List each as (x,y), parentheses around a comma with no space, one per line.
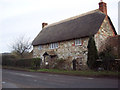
(68,49)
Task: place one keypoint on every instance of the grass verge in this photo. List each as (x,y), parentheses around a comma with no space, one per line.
(88,73)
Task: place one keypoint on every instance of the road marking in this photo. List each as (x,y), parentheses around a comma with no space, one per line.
(35,80)
(24,75)
(3,82)
(20,74)
(53,75)
(90,78)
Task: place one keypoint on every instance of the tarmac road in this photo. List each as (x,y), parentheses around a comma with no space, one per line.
(22,79)
(0,78)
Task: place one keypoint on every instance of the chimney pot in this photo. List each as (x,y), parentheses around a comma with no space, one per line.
(44,24)
(103,7)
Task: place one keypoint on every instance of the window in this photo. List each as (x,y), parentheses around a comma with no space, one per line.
(78,42)
(39,47)
(53,45)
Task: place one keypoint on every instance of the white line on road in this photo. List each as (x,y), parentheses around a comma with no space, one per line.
(3,82)
(53,75)
(23,74)
(90,78)
(35,80)
(26,75)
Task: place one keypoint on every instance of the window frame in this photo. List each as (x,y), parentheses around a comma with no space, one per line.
(53,45)
(40,47)
(78,42)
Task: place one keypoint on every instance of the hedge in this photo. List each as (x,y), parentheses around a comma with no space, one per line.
(25,63)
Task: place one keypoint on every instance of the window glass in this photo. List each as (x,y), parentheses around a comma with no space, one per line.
(53,45)
(39,47)
(78,42)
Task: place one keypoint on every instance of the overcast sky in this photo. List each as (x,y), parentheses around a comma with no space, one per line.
(24,17)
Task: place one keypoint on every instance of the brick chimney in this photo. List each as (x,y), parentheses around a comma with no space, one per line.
(103,7)
(44,24)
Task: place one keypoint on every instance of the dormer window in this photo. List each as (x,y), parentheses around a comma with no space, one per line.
(40,47)
(53,45)
(78,42)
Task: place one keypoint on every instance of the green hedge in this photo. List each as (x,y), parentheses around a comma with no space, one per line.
(108,60)
(8,60)
(33,63)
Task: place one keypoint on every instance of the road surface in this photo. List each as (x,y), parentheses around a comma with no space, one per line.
(0,78)
(22,79)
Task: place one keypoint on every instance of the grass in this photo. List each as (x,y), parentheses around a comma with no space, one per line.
(81,73)
(70,72)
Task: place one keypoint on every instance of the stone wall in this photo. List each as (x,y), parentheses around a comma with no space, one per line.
(66,50)
(104,32)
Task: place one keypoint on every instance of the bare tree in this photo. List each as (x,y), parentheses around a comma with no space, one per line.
(21,46)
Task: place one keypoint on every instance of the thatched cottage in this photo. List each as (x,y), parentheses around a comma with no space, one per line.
(68,39)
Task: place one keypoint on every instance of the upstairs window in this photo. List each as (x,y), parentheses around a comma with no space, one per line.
(53,45)
(40,47)
(78,42)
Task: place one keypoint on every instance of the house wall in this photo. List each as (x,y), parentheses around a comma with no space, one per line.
(66,50)
(104,32)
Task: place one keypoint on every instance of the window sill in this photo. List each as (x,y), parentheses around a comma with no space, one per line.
(78,45)
(53,48)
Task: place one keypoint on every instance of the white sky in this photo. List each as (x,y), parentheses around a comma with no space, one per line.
(24,17)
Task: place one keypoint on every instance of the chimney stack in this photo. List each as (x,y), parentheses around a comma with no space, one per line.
(103,7)
(44,24)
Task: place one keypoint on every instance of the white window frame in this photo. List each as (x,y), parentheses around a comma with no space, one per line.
(53,45)
(78,42)
(40,47)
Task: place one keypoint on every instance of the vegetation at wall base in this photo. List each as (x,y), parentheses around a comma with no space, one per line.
(108,60)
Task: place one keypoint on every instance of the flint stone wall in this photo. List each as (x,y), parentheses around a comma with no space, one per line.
(104,32)
(66,50)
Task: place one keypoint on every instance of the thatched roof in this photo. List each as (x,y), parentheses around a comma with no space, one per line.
(76,27)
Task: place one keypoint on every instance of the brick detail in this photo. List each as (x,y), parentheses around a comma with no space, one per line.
(44,24)
(103,7)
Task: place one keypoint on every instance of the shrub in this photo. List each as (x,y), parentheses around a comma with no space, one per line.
(92,53)
(36,63)
(59,63)
(108,59)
